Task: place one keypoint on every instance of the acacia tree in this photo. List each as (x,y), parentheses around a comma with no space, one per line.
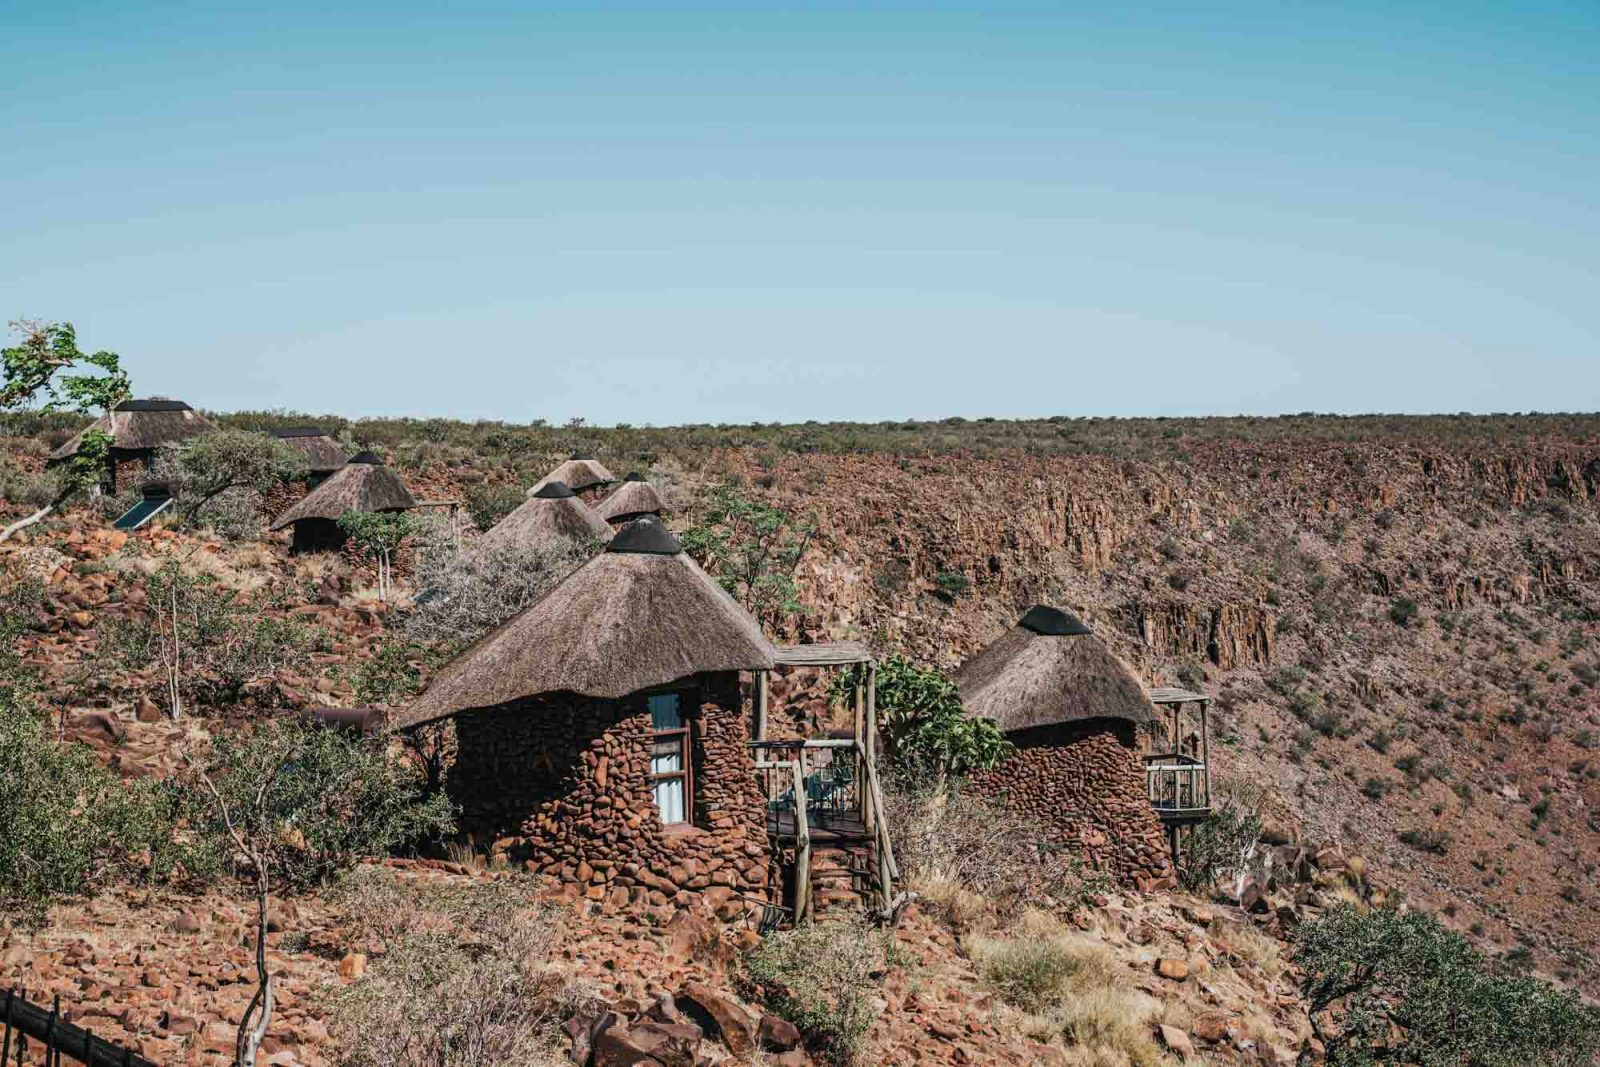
(215,463)
(752,549)
(295,803)
(379,535)
(208,643)
(36,372)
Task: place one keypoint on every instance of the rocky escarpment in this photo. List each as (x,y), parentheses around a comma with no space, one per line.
(1403,638)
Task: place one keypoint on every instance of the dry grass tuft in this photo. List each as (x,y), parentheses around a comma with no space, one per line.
(1070,988)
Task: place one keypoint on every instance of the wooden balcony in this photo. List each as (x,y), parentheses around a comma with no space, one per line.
(1178,786)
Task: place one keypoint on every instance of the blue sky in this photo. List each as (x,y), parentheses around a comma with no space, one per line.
(782,212)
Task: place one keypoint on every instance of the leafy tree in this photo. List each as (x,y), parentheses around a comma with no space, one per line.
(488,504)
(924,725)
(296,803)
(1400,988)
(36,372)
(379,535)
(752,549)
(217,463)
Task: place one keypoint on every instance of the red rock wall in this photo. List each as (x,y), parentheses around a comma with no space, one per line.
(1085,784)
(563,783)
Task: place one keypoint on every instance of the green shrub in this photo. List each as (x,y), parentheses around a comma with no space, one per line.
(70,825)
(391,675)
(1400,988)
(926,730)
(310,801)
(224,645)
(232,468)
(1427,840)
(822,977)
(1404,611)
(488,504)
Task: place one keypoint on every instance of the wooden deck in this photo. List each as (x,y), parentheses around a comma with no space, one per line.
(824,826)
(1182,816)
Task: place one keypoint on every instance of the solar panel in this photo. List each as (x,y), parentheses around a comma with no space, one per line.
(143,512)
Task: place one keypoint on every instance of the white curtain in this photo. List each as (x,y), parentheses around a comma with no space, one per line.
(667,757)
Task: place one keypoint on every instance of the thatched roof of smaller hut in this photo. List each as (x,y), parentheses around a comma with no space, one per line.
(578,473)
(138,425)
(551,512)
(638,615)
(1049,669)
(634,497)
(322,452)
(363,484)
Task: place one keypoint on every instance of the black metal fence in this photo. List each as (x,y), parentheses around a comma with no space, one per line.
(34,1035)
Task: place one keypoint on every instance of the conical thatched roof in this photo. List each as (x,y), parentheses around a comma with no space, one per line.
(551,512)
(634,497)
(322,452)
(1050,669)
(364,484)
(638,615)
(578,473)
(136,425)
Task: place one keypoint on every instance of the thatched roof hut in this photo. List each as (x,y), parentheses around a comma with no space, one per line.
(1049,669)
(551,512)
(638,615)
(141,426)
(364,484)
(578,473)
(322,452)
(633,498)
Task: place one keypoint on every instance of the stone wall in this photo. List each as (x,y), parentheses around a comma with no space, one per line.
(1084,783)
(562,784)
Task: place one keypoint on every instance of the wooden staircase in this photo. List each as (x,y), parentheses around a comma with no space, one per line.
(827,837)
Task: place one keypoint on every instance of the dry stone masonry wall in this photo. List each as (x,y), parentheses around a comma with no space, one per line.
(1086,787)
(563,785)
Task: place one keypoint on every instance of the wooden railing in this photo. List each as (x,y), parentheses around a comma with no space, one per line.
(1176,781)
(56,1038)
(777,776)
(839,783)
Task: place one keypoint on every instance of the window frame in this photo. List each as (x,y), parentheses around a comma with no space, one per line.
(684,736)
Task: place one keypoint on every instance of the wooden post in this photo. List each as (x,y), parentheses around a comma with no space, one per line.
(802,842)
(761,705)
(872,712)
(1205,745)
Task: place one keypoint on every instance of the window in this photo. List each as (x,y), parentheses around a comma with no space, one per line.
(670,771)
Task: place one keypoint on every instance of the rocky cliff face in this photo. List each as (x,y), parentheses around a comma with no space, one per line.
(1404,639)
